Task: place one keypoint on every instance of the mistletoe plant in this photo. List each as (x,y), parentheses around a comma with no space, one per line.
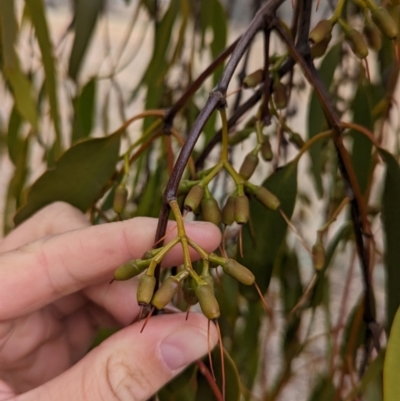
(344,66)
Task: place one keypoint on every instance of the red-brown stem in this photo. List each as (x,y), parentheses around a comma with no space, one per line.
(221,349)
(147,319)
(209,351)
(207,374)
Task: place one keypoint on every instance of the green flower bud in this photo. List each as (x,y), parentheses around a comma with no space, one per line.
(320,31)
(357,43)
(241,209)
(228,211)
(248,166)
(184,187)
(253,79)
(194,197)
(189,294)
(280,95)
(373,36)
(120,198)
(384,22)
(145,289)
(297,140)
(319,49)
(208,302)
(210,211)
(266,149)
(267,198)
(165,293)
(238,272)
(209,280)
(240,136)
(129,270)
(318,254)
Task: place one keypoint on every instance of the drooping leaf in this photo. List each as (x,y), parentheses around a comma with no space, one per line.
(362,146)
(20,84)
(84,111)
(264,235)
(39,21)
(77,178)
(391,366)
(391,224)
(86,15)
(316,118)
(204,392)
(13,138)
(371,381)
(16,184)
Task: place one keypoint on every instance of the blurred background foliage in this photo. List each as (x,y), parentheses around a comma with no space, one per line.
(76,78)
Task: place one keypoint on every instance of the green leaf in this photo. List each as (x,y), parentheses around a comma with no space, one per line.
(391,224)
(77,178)
(38,18)
(391,366)
(13,138)
(362,146)
(86,14)
(84,111)
(20,84)
(232,388)
(213,16)
(264,235)
(316,118)
(371,379)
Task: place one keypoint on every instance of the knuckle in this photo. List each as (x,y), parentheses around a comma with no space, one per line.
(127,382)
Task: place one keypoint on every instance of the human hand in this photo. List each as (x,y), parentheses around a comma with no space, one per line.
(54,294)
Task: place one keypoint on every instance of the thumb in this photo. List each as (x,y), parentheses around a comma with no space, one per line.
(131,365)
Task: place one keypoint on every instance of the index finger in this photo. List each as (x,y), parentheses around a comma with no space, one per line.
(45,270)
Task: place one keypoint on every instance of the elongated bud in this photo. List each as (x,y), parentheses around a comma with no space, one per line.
(240,136)
(373,36)
(266,149)
(194,197)
(319,49)
(280,96)
(320,31)
(165,293)
(385,22)
(120,198)
(297,140)
(129,270)
(238,272)
(189,294)
(318,254)
(357,43)
(242,209)
(253,79)
(210,211)
(208,302)
(228,211)
(248,166)
(267,198)
(145,289)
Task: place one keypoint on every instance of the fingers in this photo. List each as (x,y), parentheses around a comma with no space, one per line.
(53,219)
(131,365)
(63,264)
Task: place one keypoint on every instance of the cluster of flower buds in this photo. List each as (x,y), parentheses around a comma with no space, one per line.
(196,288)
(378,21)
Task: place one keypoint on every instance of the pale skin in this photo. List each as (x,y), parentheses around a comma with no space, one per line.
(55,270)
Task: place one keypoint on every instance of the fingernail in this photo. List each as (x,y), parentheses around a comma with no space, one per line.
(183,346)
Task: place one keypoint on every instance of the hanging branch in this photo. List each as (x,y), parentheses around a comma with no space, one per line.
(358,208)
(216,100)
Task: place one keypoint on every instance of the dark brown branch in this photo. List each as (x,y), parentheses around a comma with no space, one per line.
(358,208)
(265,114)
